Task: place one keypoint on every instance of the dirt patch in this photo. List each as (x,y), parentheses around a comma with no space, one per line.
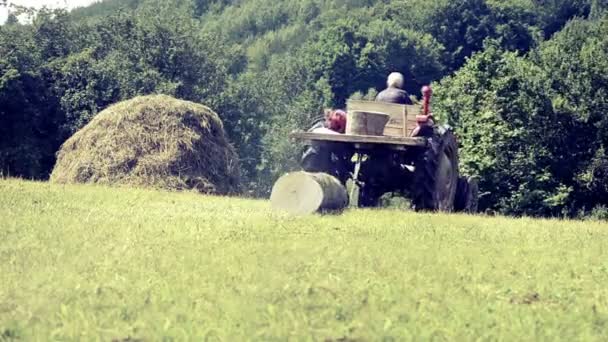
(127,339)
(527,299)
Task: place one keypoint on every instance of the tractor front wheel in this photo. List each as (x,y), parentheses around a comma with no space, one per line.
(467,193)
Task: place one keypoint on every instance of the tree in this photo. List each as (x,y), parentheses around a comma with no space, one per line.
(534,128)
(354,57)
(598,9)
(28,113)
(11,19)
(461,27)
(504,124)
(576,62)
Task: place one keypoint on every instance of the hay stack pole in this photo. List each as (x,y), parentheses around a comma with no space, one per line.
(306,193)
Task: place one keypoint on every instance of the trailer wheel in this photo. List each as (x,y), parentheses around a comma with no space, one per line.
(319,159)
(436,175)
(315,159)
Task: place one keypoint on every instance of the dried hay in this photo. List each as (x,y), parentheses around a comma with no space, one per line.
(152,141)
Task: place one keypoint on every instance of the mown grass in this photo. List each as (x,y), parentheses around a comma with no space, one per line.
(94,263)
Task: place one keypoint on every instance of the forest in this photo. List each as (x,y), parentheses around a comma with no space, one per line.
(524,83)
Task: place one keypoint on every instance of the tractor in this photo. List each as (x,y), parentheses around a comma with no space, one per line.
(392,148)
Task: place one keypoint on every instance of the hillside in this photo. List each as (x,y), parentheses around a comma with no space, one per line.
(87,262)
(104,8)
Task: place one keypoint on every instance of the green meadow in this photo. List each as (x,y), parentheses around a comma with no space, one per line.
(97,263)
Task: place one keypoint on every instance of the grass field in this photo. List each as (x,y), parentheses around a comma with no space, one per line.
(94,263)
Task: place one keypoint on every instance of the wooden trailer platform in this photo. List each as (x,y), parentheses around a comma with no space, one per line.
(396,132)
(394,142)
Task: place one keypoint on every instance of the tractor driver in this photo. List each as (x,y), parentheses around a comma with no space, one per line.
(394,92)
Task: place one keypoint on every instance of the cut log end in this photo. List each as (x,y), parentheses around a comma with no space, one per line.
(304,193)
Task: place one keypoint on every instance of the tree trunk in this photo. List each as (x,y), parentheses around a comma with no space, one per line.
(306,193)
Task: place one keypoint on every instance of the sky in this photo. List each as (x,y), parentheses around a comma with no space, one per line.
(49,3)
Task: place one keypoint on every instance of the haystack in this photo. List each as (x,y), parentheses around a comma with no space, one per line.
(152,141)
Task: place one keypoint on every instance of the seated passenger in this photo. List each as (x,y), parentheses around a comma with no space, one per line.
(394,92)
(334,122)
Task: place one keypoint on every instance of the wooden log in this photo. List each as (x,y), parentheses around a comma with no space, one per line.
(304,193)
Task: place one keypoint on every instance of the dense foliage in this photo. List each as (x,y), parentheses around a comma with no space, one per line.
(529,106)
(535,128)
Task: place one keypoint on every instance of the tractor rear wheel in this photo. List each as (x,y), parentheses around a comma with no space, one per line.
(436,175)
